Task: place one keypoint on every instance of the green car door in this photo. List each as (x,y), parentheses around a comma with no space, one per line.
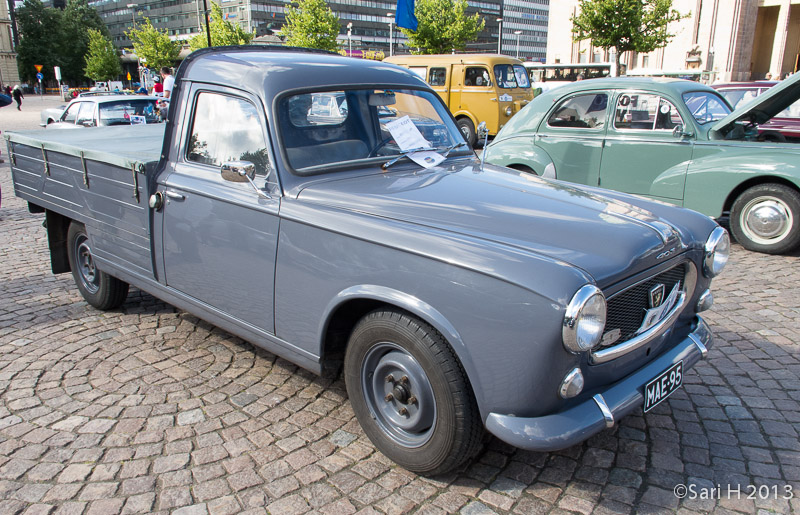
(642,155)
(572,135)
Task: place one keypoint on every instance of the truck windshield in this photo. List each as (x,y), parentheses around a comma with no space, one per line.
(325,130)
(511,76)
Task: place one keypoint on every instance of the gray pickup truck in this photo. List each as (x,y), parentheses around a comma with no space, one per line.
(328,210)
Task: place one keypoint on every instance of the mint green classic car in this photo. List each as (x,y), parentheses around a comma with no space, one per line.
(671,140)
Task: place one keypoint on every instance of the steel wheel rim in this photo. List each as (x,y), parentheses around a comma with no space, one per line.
(86,269)
(399,395)
(465,131)
(766,220)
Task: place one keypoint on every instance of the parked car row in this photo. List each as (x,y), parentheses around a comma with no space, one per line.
(670,140)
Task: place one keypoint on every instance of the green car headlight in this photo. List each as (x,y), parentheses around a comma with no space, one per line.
(584,319)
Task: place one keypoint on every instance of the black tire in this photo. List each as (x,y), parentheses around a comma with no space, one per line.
(98,288)
(441,427)
(766,218)
(467,129)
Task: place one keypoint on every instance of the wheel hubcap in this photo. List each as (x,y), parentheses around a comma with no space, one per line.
(766,220)
(86,269)
(399,394)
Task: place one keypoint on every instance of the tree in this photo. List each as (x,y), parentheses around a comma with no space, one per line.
(311,24)
(637,25)
(223,32)
(52,37)
(77,20)
(153,46)
(102,61)
(39,42)
(443,27)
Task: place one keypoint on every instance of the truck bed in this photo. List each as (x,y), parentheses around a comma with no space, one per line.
(96,176)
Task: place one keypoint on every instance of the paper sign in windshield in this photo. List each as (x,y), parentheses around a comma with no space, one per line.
(406,134)
(138,120)
(426,158)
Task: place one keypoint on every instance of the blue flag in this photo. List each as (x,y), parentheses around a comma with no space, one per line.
(404,16)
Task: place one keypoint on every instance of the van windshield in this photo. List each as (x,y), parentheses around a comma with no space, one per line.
(511,76)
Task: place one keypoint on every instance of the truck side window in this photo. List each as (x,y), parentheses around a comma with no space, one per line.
(226,128)
(437,77)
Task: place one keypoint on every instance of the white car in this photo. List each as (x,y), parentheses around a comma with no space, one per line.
(102,110)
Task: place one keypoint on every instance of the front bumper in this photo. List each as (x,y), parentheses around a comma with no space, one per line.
(565,429)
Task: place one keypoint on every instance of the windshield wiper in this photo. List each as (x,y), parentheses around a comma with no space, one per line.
(405,153)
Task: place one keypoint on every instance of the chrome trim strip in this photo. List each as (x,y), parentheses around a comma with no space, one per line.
(607,415)
(608,354)
(703,348)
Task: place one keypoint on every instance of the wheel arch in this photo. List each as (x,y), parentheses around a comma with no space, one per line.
(755,181)
(351,305)
(466,114)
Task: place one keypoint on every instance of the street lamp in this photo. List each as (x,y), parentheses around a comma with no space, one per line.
(499,35)
(132,7)
(391,38)
(517,32)
(349,41)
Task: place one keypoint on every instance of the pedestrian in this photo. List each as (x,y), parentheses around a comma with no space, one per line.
(8,89)
(18,96)
(169,81)
(768,76)
(158,87)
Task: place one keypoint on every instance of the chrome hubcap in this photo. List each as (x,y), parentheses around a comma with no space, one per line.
(86,268)
(398,394)
(766,220)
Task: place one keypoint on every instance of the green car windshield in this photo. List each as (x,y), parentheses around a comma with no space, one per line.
(705,106)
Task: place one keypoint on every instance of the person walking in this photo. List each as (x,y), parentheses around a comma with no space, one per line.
(18,96)
(169,81)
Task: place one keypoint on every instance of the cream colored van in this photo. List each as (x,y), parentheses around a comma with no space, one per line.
(476,87)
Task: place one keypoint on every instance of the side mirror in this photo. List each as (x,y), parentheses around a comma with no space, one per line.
(483,131)
(238,171)
(241,171)
(679,132)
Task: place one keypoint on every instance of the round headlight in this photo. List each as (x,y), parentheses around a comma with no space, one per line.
(509,111)
(584,319)
(718,249)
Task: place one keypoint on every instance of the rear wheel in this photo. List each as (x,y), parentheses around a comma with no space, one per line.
(97,287)
(766,218)
(410,393)
(467,129)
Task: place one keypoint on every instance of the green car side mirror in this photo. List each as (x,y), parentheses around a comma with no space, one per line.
(679,132)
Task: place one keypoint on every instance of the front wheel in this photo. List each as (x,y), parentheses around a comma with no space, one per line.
(97,287)
(410,393)
(467,129)
(766,218)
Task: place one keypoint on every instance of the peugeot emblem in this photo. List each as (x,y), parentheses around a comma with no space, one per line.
(656,295)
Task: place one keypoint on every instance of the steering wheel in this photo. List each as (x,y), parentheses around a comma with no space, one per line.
(374,151)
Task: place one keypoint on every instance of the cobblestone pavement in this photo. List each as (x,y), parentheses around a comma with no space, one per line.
(148,409)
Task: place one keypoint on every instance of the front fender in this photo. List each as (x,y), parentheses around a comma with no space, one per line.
(518,150)
(711,179)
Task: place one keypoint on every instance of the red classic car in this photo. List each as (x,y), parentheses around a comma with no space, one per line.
(783,127)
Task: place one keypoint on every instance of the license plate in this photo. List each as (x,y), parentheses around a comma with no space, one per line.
(662,386)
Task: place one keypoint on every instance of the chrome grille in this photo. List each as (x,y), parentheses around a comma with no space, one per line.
(626,309)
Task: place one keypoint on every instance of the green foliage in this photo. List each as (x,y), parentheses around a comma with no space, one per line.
(102,61)
(223,32)
(443,26)
(52,37)
(153,46)
(311,24)
(638,25)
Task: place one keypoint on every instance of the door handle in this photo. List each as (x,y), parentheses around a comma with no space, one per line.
(175,196)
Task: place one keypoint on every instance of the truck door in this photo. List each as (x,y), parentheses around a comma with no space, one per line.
(220,237)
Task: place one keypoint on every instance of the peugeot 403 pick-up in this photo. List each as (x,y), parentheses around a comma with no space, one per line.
(454,295)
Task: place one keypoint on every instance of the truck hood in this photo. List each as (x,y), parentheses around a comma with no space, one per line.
(574,225)
(762,108)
